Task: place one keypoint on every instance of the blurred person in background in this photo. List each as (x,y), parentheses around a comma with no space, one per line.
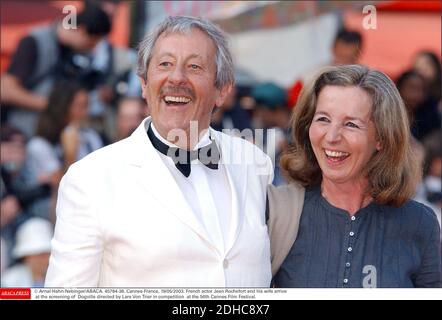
(17,197)
(231,115)
(346,49)
(423,112)
(429,190)
(117,69)
(272,116)
(412,90)
(46,55)
(12,159)
(12,153)
(62,138)
(31,252)
(4,259)
(352,157)
(420,89)
(130,113)
(428,65)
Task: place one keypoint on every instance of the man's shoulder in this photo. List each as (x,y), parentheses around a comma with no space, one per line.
(102,158)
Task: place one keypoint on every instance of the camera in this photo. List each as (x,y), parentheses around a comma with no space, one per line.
(78,67)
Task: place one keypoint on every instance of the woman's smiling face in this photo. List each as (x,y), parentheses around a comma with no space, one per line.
(342,134)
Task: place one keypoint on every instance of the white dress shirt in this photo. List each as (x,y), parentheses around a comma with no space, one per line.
(207,192)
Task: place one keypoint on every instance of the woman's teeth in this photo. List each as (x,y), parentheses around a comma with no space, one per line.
(336,154)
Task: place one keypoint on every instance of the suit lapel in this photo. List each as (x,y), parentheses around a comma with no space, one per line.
(156,179)
(237,175)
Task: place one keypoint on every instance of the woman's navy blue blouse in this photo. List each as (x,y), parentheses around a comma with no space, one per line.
(380,246)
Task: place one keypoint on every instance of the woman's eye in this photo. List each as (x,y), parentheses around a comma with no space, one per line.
(195,66)
(165,64)
(324,119)
(352,125)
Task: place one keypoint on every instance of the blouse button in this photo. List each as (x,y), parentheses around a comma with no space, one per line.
(225,263)
(350,249)
(353,218)
(348,264)
(345,280)
(351,233)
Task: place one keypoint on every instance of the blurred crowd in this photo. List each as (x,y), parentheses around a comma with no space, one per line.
(68,92)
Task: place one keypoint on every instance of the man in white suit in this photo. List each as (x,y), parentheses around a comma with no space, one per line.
(169,206)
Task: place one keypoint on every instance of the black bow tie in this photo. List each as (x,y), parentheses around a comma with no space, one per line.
(208,155)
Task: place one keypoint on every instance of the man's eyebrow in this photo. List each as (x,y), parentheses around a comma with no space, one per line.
(195,55)
(169,54)
(166,54)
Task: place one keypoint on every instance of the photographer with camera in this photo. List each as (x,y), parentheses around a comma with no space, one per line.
(114,68)
(42,58)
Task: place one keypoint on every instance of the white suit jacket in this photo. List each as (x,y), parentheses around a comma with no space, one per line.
(123,221)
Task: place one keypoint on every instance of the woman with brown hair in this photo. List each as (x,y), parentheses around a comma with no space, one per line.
(351,153)
(62,138)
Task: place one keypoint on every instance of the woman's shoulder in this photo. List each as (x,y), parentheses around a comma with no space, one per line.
(417,211)
(285,189)
(293,195)
(418,218)
(286,198)
(286,193)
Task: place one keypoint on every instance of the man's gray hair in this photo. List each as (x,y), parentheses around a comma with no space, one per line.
(180,24)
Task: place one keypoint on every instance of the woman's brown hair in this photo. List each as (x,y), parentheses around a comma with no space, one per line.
(55,117)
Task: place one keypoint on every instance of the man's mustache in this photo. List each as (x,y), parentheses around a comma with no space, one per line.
(177,91)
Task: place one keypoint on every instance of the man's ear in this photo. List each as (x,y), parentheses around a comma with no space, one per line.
(223,94)
(143,87)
